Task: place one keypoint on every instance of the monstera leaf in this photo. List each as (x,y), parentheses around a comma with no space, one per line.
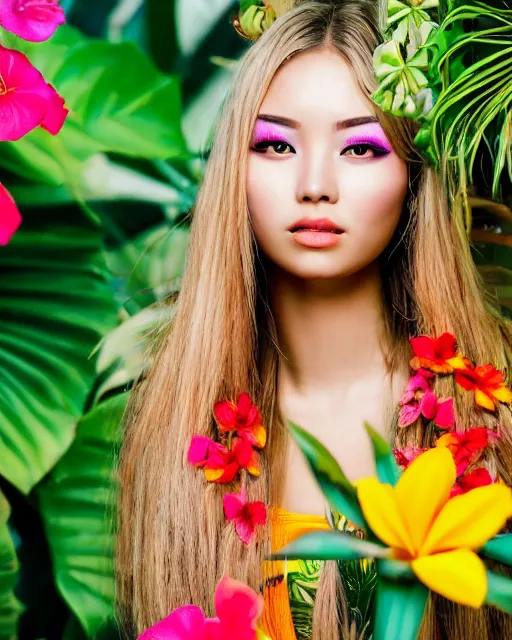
(56,304)
(76,502)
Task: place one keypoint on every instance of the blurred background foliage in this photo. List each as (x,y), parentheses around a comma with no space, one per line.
(90,275)
(86,278)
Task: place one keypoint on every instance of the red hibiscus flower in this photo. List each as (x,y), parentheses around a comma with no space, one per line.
(476,478)
(26,99)
(488,384)
(238,609)
(466,447)
(33,20)
(221,464)
(10,218)
(420,400)
(246,516)
(436,354)
(244,418)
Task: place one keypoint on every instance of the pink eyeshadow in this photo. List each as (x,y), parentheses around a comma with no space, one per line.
(266,131)
(370,135)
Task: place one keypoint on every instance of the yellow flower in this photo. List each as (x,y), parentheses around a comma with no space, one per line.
(436,534)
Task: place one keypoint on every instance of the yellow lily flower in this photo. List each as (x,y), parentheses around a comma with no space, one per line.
(436,534)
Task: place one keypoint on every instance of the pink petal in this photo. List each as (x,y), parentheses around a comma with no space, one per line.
(33,20)
(409,414)
(56,113)
(244,529)
(182,624)
(238,608)
(445,417)
(10,218)
(428,405)
(233,505)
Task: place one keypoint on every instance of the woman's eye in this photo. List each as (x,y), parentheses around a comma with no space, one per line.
(363,151)
(278,146)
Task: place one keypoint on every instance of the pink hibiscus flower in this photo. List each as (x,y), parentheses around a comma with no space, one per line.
(246,516)
(238,609)
(420,400)
(26,99)
(10,218)
(33,20)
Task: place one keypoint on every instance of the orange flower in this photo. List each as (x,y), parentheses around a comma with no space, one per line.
(244,418)
(439,355)
(466,447)
(487,382)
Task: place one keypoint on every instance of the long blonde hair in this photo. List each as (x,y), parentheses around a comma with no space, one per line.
(173,541)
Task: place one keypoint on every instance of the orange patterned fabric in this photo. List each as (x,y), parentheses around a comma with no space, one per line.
(286,527)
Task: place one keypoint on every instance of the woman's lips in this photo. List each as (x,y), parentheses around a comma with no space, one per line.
(316,239)
(317,233)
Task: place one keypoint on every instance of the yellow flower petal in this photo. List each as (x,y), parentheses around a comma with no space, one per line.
(260,433)
(470,520)
(503,394)
(423,490)
(213,474)
(483,400)
(458,362)
(457,575)
(381,512)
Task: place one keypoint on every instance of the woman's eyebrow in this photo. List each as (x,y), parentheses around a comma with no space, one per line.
(341,124)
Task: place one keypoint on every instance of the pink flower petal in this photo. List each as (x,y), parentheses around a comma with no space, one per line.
(10,218)
(445,418)
(198,451)
(56,113)
(244,529)
(234,504)
(238,608)
(428,405)
(409,414)
(33,20)
(182,624)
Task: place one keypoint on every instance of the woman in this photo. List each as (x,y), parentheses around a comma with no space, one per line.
(320,243)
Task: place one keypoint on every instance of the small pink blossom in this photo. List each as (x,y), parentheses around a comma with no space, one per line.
(26,99)
(238,609)
(420,400)
(246,516)
(10,218)
(33,20)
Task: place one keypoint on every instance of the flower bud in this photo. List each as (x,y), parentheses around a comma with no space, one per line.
(256,20)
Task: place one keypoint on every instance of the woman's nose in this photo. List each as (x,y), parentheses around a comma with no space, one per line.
(318,179)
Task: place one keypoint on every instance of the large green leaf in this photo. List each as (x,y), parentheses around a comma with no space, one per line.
(499,592)
(388,470)
(77,509)
(10,608)
(56,303)
(331,545)
(500,549)
(400,604)
(337,488)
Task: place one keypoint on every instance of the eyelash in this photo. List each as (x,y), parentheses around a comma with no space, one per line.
(263,145)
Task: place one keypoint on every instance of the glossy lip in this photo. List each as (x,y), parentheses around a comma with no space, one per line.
(315,225)
(316,239)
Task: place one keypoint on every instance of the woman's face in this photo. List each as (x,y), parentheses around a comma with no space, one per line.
(320,160)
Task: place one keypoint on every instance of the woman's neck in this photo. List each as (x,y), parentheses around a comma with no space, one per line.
(329,332)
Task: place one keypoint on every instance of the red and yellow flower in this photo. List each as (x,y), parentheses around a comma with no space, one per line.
(487,383)
(221,464)
(243,418)
(439,355)
(466,447)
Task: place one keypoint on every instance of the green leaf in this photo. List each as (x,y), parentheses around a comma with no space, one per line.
(499,592)
(77,506)
(388,470)
(500,549)
(337,488)
(400,602)
(10,608)
(330,545)
(56,303)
